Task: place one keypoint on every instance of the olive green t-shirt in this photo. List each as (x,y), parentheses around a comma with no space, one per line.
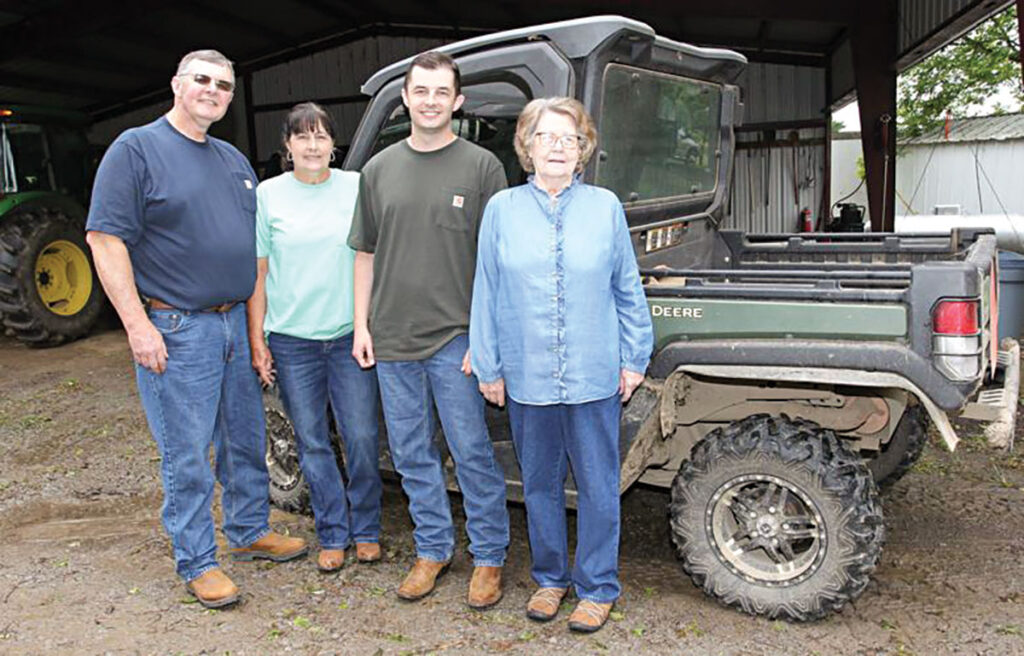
(419,214)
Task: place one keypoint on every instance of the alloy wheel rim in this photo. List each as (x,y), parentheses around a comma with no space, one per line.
(766,530)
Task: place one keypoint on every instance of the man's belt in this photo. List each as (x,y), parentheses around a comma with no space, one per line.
(157,304)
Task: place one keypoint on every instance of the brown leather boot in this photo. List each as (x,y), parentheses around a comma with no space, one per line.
(213,589)
(330,560)
(367,552)
(272,546)
(484,587)
(421,579)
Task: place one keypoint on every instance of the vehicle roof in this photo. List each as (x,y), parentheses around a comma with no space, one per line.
(575,38)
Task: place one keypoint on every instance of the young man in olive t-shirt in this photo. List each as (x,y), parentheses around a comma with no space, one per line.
(415,230)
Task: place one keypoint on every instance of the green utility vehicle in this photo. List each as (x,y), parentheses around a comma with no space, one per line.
(49,292)
(793,375)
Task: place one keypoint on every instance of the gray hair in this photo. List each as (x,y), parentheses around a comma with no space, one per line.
(526,126)
(211,56)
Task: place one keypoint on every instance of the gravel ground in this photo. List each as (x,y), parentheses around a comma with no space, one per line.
(86,569)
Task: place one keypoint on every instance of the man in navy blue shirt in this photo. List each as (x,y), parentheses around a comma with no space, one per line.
(172,230)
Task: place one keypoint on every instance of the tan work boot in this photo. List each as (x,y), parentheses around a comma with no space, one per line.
(272,546)
(484,587)
(213,589)
(421,579)
(330,560)
(367,552)
(589,616)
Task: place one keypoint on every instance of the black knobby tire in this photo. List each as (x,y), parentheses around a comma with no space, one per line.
(786,480)
(898,456)
(289,490)
(28,238)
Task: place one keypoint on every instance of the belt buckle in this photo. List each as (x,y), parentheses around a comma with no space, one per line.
(222,308)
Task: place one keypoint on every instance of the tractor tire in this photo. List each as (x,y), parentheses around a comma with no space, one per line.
(904,449)
(49,292)
(289,490)
(777,517)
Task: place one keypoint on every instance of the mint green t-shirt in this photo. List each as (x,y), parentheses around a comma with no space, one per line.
(302,230)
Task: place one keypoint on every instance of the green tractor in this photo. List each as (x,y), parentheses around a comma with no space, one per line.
(49,292)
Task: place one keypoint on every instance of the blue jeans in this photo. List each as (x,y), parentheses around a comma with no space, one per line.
(209,393)
(408,391)
(548,439)
(309,373)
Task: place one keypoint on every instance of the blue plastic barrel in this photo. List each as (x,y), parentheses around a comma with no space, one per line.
(1011,294)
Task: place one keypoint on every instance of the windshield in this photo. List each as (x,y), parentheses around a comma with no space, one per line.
(26,159)
(659,135)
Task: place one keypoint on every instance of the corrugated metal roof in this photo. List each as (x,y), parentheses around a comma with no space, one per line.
(135,45)
(980,128)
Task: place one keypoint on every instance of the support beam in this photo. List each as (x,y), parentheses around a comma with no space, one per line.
(90,62)
(1020,35)
(342,13)
(825,209)
(874,41)
(88,91)
(250,117)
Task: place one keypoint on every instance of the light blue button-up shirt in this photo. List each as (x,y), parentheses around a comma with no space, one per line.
(558,308)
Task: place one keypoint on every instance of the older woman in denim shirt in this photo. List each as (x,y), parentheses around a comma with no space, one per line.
(559,323)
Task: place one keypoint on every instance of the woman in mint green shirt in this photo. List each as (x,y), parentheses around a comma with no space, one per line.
(300,331)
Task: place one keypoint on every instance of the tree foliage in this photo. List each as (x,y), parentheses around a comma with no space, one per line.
(963,77)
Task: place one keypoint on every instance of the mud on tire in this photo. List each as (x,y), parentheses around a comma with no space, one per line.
(33,241)
(903,450)
(773,478)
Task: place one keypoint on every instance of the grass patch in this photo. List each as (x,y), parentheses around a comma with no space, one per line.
(28,422)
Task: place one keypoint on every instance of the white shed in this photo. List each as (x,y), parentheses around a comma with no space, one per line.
(970,166)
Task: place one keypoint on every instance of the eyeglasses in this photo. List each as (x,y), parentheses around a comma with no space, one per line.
(204,80)
(567,141)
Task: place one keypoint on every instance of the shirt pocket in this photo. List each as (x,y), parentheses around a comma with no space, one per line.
(458,209)
(246,190)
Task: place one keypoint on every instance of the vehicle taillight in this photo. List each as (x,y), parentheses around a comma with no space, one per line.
(957,338)
(955,318)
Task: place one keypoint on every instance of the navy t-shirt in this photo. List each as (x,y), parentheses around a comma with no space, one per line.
(186,211)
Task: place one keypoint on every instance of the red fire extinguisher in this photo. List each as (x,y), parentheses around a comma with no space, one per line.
(805,220)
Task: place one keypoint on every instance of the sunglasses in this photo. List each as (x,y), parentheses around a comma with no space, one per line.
(204,80)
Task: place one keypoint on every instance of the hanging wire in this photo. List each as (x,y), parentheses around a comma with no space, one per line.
(832,209)
(977,178)
(979,167)
(921,179)
(905,203)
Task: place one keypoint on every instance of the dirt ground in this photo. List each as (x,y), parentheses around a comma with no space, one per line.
(85,567)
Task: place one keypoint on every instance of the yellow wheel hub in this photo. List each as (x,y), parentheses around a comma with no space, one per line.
(63,278)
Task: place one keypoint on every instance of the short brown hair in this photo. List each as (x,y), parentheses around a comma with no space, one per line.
(526,126)
(431,61)
(210,56)
(307,117)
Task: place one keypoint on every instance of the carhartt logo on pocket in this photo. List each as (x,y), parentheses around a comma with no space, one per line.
(457,200)
(248,183)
